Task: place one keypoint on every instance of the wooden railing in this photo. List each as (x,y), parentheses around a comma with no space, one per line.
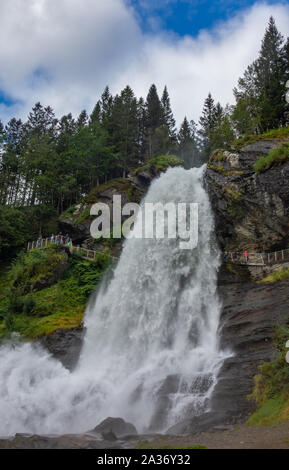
(76,249)
(258,258)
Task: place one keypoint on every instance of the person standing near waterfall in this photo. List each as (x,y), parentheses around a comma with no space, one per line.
(246,256)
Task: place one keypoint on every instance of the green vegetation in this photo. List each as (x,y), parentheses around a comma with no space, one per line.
(281,134)
(162,162)
(20,225)
(276,276)
(69,211)
(230,194)
(45,290)
(271,389)
(220,169)
(275,157)
(118,184)
(217,156)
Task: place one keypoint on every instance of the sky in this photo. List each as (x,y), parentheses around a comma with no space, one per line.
(64,52)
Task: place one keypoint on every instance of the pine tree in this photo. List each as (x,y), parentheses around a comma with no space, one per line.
(260,93)
(124,120)
(207,123)
(187,144)
(141,139)
(82,120)
(155,135)
(168,117)
(96,113)
(270,70)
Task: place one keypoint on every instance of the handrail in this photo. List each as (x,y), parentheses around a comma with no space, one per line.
(79,250)
(258,258)
(235,257)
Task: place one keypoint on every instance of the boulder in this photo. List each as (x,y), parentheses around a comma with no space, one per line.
(65,345)
(116,427)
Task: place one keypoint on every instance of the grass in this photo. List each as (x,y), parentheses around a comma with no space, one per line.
(271,386)
(275,157)
(274,411)
(33,311)
(69,212)
(217,156)
(280,275)
(281,134)
(119,184)
(162,162)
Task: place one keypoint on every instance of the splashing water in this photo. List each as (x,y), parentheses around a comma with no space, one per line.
(151,352)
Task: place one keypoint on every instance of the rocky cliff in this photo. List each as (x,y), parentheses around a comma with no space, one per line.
(251,210)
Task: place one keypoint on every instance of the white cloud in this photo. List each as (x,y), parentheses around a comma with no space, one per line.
(64,52)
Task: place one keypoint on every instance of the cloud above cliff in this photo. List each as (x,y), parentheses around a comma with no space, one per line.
(64,52)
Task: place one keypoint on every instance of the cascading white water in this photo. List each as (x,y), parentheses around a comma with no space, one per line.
(151,352)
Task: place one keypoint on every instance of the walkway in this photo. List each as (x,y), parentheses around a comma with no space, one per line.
(258,259)
(78,250)
(255,259)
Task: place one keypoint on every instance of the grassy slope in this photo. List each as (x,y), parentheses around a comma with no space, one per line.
(280,135)
(35,308)
(271,389)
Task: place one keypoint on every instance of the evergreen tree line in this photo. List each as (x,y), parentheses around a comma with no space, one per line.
(53,162)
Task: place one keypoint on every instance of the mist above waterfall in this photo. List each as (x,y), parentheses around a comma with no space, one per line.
(151,353)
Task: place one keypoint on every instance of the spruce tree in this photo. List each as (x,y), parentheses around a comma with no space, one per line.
(154,119)
(187,144)
(96,113)
(260,93)
(168,117)
(82,120)
(207,123)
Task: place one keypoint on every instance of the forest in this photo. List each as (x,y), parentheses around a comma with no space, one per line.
(47,163)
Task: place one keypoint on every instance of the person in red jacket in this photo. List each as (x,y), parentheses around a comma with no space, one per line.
(246,256)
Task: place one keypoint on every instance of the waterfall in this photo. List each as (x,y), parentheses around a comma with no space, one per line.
(151,353)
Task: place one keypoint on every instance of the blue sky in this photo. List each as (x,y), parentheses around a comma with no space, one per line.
(64,52)
(186,17)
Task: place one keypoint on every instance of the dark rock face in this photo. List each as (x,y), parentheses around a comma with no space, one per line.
(65,345)
(251,210)
(249,318)
(114,428)
(248,321)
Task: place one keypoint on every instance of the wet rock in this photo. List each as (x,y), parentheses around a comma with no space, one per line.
(249,318)
(65,345)
(116,426)
(67,441)
(197,424)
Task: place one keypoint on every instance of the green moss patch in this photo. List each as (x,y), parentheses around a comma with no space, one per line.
(162,162)
(119,184)
(220,169)
(276,157)
(273,134)
(271,388)
(280,275)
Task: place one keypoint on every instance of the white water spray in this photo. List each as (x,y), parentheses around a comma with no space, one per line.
(151,353)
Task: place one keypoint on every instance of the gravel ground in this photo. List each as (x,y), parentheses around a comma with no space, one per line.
(238,437)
